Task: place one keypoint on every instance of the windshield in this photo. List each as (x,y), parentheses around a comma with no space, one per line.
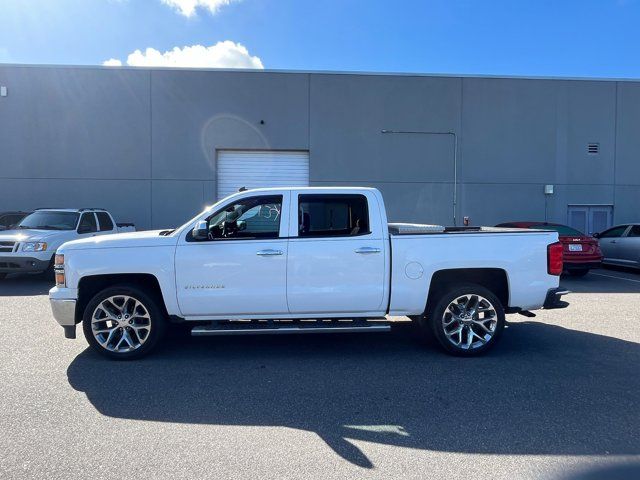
(50,221)
(562,230)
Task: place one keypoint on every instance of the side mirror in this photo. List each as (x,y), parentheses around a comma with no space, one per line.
(596,235)
(242,225)
(200,231)
(84,229)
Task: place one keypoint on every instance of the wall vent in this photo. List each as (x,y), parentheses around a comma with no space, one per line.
(593,148)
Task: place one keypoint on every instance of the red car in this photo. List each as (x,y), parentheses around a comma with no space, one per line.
(580,253)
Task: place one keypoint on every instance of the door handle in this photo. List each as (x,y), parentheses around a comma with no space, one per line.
(614,241)
(268,252)
(366,250)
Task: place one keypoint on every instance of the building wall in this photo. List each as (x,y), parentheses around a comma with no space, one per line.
(143,142)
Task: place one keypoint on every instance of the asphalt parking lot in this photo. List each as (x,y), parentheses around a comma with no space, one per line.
(559,397)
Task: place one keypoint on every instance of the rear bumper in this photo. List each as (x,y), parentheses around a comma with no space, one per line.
(553,301)
(569,266)
(15,264)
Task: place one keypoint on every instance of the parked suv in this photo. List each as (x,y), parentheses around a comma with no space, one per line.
(30,246)
(580,252)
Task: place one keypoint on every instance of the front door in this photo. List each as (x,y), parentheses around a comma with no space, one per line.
(336,259)
(609,240)
(241,268)
(629,246)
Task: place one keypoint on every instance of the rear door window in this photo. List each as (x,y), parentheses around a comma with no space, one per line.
(332,215)
(105,221)
(634,232)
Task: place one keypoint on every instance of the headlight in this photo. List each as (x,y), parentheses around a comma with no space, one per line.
(34,247)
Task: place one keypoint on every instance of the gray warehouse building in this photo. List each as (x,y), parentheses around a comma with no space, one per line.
(156,145)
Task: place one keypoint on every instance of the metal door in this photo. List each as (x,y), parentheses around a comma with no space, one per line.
(590,218)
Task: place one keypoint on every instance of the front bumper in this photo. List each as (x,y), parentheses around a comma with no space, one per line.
(16,264)
(553,300)
(64,311)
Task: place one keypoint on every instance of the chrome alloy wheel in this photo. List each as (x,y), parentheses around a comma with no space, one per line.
(121,324)
(469,321)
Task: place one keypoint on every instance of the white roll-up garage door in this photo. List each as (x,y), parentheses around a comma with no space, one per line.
(256,169)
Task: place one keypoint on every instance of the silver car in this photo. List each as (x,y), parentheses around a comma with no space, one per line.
(621,245)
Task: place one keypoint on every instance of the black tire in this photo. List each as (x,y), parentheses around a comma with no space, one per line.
(49,273)
(578,272)
(481,341)
(156,321)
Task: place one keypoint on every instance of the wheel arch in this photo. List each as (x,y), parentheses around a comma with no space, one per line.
(90,285)
(494,279)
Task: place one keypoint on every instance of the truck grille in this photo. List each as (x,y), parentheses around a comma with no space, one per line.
(7,247)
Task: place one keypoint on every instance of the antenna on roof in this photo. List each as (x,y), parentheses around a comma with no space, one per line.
(242,189)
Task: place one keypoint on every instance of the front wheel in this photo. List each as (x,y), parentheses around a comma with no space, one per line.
(123,322)
(467,320)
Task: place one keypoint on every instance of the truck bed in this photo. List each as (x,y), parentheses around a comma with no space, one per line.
(397,229)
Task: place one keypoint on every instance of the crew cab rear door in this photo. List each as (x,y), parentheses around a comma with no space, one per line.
(337,254)
(241,269)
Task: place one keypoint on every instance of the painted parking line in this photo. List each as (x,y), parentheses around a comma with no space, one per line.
(617,278)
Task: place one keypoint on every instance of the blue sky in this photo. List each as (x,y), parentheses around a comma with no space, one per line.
(585,38)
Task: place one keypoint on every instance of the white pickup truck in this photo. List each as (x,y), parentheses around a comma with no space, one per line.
(29,247)
(303,260)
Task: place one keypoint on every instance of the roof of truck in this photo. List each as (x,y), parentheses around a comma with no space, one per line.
(271,189)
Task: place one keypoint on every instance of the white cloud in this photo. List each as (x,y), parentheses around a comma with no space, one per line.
(112,62)
(188,7)
(5,57)
(225,54)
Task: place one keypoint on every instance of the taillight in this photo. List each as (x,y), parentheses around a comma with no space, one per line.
(554,258)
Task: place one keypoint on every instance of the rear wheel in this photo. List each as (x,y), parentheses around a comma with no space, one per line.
(123,322)
(467,320)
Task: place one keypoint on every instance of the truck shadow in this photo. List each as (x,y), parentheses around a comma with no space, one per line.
(544,390)
(25,285)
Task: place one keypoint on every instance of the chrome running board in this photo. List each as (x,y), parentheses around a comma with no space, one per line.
(288,328)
